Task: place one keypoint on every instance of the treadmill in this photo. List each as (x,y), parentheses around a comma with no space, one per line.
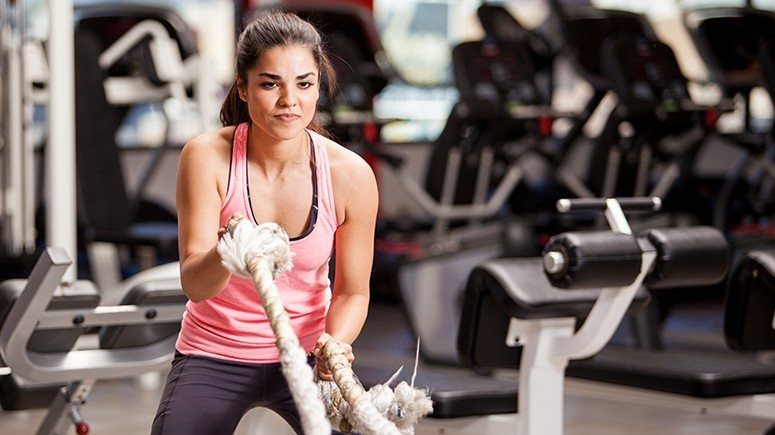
(736,44)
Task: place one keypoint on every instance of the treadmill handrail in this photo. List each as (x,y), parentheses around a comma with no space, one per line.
(445,211)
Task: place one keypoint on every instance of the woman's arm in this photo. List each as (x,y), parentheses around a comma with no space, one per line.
(354,249)
(198,204)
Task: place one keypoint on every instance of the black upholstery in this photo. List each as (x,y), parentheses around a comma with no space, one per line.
(595,259)
(687,257)
(500,289)
(522,289)
(698,374)
(750,303)
(149,293)
(15,393)
(705,374)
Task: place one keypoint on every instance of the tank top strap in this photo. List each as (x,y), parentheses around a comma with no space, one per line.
(238,165)
(326,207)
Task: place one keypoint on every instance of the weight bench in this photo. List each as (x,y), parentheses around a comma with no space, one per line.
(515,314)
(43,321)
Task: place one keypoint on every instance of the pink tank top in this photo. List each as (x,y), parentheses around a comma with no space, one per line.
(233,325)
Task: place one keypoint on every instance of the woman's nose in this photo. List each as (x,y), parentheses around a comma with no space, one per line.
(287,98)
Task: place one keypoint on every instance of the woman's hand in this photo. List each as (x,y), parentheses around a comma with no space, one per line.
(320,364)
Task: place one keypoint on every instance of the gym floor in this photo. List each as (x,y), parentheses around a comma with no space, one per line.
(127,406)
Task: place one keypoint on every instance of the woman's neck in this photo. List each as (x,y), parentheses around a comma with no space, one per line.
(275,156)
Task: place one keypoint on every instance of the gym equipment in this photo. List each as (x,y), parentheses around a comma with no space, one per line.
(499,24)
(505,309)
(25,83)
(618,52)
(149,56)
(583,31)
(738,384)
(495,134)
(127,55)
(689,373)
(728,40)
(511,302)
(466,191)
(25,76)
(42,327)
(749,309)
(737,46)
(749,313)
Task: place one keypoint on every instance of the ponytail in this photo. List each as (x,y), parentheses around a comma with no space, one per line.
(234,111)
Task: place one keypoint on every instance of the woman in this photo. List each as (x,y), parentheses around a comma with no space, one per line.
(269,163)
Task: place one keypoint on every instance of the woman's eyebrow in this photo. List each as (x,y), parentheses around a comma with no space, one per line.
(270,75)
(278,77)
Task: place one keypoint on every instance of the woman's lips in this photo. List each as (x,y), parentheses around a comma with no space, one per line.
(287,117)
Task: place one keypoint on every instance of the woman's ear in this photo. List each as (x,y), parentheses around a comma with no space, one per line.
(241,90)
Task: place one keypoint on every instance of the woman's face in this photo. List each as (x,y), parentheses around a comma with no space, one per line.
(282,91)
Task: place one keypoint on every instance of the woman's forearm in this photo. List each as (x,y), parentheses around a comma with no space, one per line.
(346,316)
(203,276)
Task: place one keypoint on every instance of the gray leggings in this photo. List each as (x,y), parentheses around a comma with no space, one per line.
(210,396)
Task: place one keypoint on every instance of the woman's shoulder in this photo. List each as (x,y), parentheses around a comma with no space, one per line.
(351,175)
(212,140)
(344,160)
(210,144)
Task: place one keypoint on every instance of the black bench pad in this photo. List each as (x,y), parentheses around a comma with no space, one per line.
(691,373)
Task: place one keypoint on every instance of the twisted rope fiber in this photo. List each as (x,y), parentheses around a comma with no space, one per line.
(261,253)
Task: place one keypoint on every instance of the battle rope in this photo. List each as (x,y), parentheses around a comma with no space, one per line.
(261,253)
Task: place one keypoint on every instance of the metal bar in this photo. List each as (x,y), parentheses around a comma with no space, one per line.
(30,304)
(605,317)
(111,315)
(448,188)
(13,148)
(600,204)
(615,217)
(60,152)
(483,177)
(642,176)
(77,364)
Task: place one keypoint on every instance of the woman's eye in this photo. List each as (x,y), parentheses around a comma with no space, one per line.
(306,85)
(268,85)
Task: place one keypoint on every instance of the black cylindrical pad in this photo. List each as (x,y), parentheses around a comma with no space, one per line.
(594,259)
(687,257)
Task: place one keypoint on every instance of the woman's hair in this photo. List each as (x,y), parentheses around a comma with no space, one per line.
(274,29)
